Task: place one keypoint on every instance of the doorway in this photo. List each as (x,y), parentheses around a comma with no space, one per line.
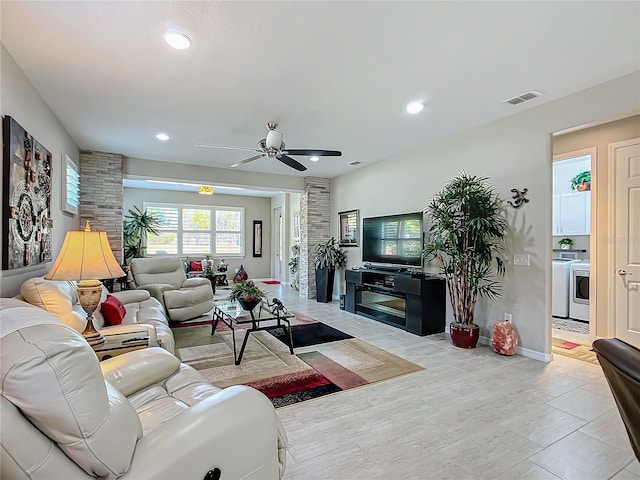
(572,316)
(278,263)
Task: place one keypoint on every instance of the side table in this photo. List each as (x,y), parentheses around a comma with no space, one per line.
(119,343)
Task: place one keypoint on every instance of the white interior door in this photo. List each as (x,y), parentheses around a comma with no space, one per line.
(626,158)
(279,239)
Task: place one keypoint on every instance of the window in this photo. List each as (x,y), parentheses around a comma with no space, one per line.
(70,187)
(197,230)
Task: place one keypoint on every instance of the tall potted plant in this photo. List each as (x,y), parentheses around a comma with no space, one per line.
(466,238)
(329,257)
(136,226)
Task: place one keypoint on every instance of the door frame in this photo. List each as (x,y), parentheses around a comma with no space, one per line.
(611,260)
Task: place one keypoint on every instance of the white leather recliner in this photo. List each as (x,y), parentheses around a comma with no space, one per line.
(141,415)
(165,279)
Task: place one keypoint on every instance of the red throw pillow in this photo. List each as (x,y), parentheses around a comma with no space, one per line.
(196,266)
(113,310)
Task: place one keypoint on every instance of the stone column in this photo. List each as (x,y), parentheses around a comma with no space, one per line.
(315,217)
(102,195)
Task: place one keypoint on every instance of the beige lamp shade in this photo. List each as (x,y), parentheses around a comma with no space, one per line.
(85,255)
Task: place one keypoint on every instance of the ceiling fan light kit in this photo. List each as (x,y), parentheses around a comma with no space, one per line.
(273,146)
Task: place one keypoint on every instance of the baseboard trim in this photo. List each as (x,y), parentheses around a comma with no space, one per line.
(525,352)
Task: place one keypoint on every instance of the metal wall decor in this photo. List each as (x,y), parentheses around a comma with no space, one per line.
(26,198)
(518,197)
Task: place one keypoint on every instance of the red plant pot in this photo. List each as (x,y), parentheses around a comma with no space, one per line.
(463,335)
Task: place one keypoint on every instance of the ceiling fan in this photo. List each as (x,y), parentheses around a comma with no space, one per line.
(273,147)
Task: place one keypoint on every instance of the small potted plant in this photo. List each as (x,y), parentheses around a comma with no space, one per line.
(329,257)
(582,181)
(247,294)
(565,243)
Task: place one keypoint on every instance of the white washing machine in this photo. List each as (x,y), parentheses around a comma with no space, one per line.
(560,283)
(579,291)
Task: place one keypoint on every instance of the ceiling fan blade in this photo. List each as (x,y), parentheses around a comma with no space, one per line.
(292,163)
(316,153)
(206,145)
(247,160)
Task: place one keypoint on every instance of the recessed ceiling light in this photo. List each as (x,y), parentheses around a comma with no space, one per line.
(314,158)
(415,107)
(162,137)
(177,40)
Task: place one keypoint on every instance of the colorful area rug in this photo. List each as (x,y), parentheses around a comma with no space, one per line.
(286,379)
(574,350)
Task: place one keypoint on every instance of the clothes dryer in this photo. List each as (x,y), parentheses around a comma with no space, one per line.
(579,291)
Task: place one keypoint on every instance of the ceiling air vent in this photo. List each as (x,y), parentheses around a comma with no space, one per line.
(355,162)
(523,98)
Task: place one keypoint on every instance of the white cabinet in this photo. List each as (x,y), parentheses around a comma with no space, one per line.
(572,213)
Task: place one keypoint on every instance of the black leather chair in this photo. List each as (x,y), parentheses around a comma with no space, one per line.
(621,365)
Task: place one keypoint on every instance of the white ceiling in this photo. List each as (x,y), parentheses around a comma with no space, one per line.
(334,75)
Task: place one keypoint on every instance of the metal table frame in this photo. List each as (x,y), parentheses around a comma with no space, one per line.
(225,313)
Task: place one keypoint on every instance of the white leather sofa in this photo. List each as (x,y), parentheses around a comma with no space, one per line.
(60,298)
(140,415)
(165,279)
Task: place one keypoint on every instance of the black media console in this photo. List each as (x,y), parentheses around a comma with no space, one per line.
(414,302)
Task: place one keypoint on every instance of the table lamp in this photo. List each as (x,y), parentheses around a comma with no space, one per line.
(86,256)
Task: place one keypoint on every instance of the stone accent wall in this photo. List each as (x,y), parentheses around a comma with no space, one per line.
(315,218)
(102,195)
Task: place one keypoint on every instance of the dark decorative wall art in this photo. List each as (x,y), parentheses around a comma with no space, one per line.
(257,238)
(26,199)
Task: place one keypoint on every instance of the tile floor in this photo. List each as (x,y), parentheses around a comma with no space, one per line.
(471,414)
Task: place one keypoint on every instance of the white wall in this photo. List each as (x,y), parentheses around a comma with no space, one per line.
(516,153)
(20,100)
(256,208)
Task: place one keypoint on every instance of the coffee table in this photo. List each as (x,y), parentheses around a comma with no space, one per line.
(232,315)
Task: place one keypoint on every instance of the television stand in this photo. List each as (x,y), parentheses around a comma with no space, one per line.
(414,303)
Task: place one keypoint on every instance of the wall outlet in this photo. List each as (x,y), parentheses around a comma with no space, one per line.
(507,317)
(237,270)
(521,259)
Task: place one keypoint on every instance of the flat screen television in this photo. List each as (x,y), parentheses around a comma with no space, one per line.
(395,239)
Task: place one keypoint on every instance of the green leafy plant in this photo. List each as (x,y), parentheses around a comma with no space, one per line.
(247,291)
(565,241)
(136,226)
(580,178)
(466,238)
(330,255)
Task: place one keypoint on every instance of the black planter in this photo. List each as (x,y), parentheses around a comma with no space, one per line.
(248,305)
(324,284)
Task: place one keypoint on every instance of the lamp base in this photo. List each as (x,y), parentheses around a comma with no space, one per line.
(93,337)
(89,293)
